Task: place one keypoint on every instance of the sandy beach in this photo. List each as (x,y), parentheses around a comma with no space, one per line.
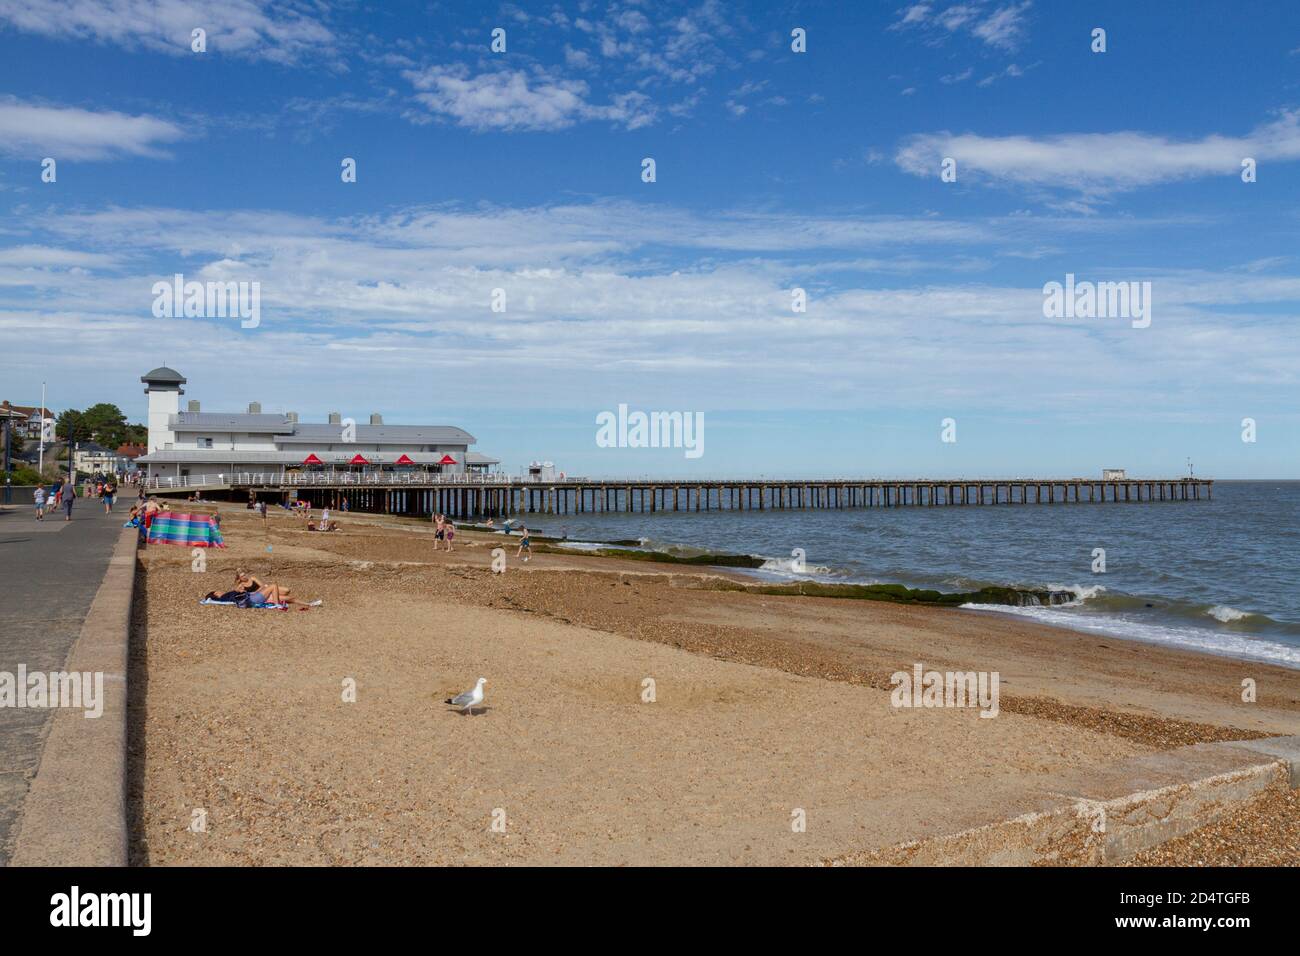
(766,709)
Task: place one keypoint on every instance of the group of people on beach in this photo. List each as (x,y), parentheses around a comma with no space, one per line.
(324,524)
(444,531)
(142,514)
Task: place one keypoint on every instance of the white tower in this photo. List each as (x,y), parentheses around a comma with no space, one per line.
(163,386)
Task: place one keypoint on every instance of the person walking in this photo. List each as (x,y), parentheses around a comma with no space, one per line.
(110,491)
(38,496)
(69,496)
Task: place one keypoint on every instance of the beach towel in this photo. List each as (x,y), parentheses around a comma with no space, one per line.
(193,531)
(273,607)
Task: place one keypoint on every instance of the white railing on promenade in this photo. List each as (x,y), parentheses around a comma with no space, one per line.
(307,479)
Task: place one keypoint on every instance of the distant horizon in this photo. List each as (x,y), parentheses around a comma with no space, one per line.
(567,437)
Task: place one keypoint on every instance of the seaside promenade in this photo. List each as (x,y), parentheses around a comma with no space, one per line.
(52,570)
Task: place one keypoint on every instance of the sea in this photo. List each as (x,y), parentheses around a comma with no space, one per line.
(1220,576)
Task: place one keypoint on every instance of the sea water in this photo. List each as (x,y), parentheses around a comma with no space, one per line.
(1220,576)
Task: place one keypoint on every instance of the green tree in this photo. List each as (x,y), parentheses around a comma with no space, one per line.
(72,427)
(106,424)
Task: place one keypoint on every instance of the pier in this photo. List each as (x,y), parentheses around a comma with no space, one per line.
(418,494)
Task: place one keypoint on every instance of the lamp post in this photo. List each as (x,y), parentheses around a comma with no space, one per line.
(40,464)
(5,426)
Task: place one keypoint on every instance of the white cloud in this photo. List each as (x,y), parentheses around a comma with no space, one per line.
(34,131)
(1002,27)
(600,293)
(244,28)
(1012,70)
(916,13)
(512,100)
(1099,163)
(48,257)
(955,17)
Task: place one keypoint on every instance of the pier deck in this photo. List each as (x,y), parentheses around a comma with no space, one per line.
(473,496)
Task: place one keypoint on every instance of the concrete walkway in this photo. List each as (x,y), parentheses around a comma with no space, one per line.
(52,570)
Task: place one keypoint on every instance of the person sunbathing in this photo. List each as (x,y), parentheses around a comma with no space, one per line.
(265,592)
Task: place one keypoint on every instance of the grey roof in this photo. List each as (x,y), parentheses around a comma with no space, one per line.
(297,433)
(230,422)
(163,375)
(383,435)
(478,458)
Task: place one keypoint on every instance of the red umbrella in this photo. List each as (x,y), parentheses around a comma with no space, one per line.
(447,460)
(404,460)
(312,460)
(358,460)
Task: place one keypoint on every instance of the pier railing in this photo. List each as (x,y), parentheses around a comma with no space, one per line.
(493,494)
(497,479)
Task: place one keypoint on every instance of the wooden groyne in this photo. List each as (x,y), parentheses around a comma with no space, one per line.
(473,496)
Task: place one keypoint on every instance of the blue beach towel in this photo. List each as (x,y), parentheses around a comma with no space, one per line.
(273,607)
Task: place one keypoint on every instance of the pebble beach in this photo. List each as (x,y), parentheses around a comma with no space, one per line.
(634,714)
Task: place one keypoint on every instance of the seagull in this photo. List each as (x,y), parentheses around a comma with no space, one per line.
(470,699)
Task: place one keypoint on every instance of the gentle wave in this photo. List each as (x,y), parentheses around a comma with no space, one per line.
(1226,615)
(1207,640)
(794,567)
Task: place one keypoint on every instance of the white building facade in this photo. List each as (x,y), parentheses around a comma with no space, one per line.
(194,442)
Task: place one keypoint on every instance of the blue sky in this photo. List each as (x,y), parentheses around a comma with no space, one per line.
(521,171)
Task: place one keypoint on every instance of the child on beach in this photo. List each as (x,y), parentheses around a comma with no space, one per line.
(449,532)
(525,544)
(38,496)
